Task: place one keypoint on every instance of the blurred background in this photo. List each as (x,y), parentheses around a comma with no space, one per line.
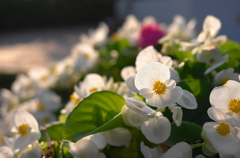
(38,32)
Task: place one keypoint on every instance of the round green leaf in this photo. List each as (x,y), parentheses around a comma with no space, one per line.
(93,114)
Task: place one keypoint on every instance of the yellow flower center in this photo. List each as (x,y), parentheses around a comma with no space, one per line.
(86,56)
(225,80)
(223,129)
(46,119)
(159,87)
(40,107)
(234,106)
(43,78)
(93,90)
(23,129)
(211,60)
(29,85)
(74,99)
(81,157)
(53,70)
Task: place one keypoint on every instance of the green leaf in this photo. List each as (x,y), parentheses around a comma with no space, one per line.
(201,89)
(54,130)
(188,131)
(192,70)
(229,45)
(232,61)
(181,55)
(95,113)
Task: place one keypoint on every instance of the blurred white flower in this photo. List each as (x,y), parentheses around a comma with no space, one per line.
(177,114)
(6,152)
(31,151)
(223,76)
(205,39)
(24,87)
(85,57)
(96,37)
(26,129)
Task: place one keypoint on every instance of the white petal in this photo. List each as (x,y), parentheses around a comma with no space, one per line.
(179,150)
(131,85)
(187,100)
(169,98)
(118,136)
(211,25)
(156,131)
(167,61)
(98,139)
(84,148)
(170,84)
(228,144)
(127,72)
(177,114)
(138,106)
(154,152)
(22,117)
(174,75)
(132,118)
(217,115)
(23,141)
(145,57)
(146,93)
(6,151)
(151,73)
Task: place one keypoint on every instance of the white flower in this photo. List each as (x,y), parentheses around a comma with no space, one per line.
(205,39)
(42,76)
(31,151)
(157,129)
(227,99)
(84,148)
(8,102)
(24,87)
(132,118)
(223,76)
(85,57)
(149,55)
(96,37)
(6,152)
(151,152)
(154,83)
(213,57)
(118,136)
(25,128)
(222,134)
(130,29)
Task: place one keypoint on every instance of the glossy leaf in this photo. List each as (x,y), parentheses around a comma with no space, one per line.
(93,114)
(201,90)
(188,131)
(54,130)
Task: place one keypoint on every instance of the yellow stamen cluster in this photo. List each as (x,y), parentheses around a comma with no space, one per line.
(74,99)
(40,107)
(86,56)
(225,80)
(43,78)
(234,105)
(23,129)
(159,87)
(93,90)
(223,129)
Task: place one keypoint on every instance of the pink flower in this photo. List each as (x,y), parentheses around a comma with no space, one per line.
(150,34)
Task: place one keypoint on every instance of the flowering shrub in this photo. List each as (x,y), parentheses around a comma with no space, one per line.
(149,91)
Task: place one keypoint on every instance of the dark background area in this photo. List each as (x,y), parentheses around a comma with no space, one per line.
(18,15)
